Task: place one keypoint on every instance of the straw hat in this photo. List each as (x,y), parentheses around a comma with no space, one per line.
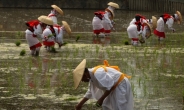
(115,5)
(154,22)
(112,13)
(78,73)
(148,34)
(67,27)
(57,9)
(180,17)
(45,19)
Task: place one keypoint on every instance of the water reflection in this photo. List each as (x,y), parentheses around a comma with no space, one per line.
(104,41)
(44,79)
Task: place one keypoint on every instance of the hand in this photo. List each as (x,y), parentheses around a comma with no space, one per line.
(78,107)
(99,103)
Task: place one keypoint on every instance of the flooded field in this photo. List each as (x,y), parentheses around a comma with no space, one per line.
(46,82)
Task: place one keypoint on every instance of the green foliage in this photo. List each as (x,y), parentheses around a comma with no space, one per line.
(23,52)
(126,43)
(78,37)
(17,43)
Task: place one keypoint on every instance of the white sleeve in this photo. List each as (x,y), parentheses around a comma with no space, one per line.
(106,18)
(54,19)
(46,33)
(105,80)
(38,31)
(169,23)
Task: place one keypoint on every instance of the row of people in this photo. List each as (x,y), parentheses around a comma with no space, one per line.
(47,29)
(141,25)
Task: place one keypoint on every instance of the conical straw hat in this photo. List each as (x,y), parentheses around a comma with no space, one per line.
(45,19)
(180,17)
(147,24)
(67,27)
(57,9)
(115,5)
(78,73)
(154,22)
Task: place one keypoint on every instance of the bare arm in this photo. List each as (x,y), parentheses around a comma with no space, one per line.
(81,103)
(106,93)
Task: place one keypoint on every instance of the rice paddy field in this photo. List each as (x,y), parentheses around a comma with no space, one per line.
(46,82)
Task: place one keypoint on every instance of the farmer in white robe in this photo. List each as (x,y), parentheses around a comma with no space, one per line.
(54,12)
(103,21)
(109,15)
(136,27)
(54,34)
(107,85)
(169,20)
(34,31)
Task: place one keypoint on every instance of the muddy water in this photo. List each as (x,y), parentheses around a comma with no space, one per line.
(79,20)
(45,82)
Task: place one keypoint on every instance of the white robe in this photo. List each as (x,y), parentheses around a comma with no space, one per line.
(59,31)
(53,16)
(29,35)
(160,24)
(121,98)
(97,23)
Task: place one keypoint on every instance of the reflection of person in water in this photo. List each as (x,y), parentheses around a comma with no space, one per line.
(41,79)
(107,85)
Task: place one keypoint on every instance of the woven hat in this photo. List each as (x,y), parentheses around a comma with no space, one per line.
(150,29)
(154,22)
(78,73)
(45,19)
(57,9)
(180,17)
(67,27)
(115,5)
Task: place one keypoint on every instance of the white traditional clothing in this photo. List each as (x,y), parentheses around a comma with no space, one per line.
(135,28)
(53,16)
(52,35)
(31,35)
(160,29)
(48,37)
(97,24)
(106,21)
(121,98)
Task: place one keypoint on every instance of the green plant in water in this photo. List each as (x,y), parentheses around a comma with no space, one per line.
(17,43)
(18,35)
(126,43)
(23,52)
(78,37)
(53,49)
(70,99)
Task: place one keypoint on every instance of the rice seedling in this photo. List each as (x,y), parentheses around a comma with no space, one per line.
(17,43)
(23,52)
